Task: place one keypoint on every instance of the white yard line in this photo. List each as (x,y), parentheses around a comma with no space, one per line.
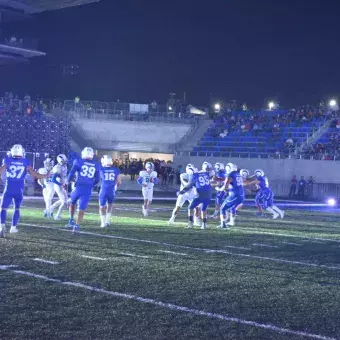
(264,245)
(135,255)
(172,252)
(171,306)
(93,257)
(216,251)
(45,261)
(292,243)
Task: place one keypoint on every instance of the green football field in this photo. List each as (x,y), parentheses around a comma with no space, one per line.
(141,279)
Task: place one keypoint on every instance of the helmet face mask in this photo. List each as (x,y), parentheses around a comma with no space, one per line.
(206,166)
(230,167)
(149,167)
(61,159)
(106,161)
(190,169)
(244,173)
(87,153)
(48,164)
(219,166)
(259,173)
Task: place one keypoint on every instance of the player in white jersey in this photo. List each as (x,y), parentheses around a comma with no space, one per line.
(47,186)
(147,179)
(59,179)
(188,196)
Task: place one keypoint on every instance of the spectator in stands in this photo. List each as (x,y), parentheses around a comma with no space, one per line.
(302,186)
(310,184)
(293,184)
(171,176)
(178,174)
(289,142)
(133,170)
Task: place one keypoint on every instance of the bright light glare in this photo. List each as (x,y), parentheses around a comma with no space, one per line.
(271,105)
(170,108)
(332,103)
(331,202)
(217,106)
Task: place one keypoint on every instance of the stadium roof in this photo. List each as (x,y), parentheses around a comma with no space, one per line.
(36,6)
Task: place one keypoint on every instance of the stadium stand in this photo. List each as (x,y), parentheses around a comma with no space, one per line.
(37,133)
(260,134)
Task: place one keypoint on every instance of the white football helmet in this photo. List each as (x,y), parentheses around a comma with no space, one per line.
(87,153)
(149,166)
(259,172)
(218,167)
(48,164)
(61,159)
(230,167)
(190,169)
(244,173)
(206,166)
(17,151)
(106,161)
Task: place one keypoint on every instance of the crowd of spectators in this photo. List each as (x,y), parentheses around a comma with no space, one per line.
(13,104)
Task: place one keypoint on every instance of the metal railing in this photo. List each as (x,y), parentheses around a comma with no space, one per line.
(131,112)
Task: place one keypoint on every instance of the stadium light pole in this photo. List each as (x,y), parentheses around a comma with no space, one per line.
(271,105)
(217,107)
(332,103)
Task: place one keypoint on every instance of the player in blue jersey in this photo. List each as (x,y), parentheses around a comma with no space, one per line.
(201,181)
(218,180)
(16,167)
(88,176)
(265,197)
(234,183)
(110,181)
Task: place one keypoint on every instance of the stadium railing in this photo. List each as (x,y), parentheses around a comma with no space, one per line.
(137,112)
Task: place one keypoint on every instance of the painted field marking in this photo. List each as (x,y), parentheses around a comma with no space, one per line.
(292,243)
(45,261)
(135,255)
(216,251)
(264,245)
(172,252)
(93,257)
(171,306)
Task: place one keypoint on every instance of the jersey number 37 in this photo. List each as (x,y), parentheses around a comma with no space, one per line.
(15,171)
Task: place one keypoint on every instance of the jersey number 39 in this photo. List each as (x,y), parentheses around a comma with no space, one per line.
(87,171)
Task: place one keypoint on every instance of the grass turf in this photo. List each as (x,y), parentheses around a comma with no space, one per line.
(284,273)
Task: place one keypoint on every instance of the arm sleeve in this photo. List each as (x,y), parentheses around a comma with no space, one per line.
(72,172)
(56,179)
(155,180)
(96,177)
(140,180)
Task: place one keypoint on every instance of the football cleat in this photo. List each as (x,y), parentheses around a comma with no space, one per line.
(172,220)
(203,226)
(2,231)
(190,225)
(13,230)
(76,229)
(275,216)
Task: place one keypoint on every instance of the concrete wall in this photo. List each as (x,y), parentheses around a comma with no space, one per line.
(104,133)
(277,169)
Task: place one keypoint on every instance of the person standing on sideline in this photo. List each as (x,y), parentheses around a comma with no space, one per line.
(310,185)
(302,186)
(293,184)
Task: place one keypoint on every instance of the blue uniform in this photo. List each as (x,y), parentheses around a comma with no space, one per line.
(88,175)
(221,195)
(16,170)
(236,193)
(264,196)
(201,181)
(108,176)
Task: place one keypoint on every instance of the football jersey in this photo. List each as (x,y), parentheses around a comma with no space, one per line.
(201,181)
(236,185)
(221,175)
(61,173)
(263,182)
(88,172)
(45,181)
(185,179)
(16,170)
(146,178)
(108,176)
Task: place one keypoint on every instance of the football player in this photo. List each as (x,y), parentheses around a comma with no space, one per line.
(88,177)
(188,196)
(265,198)
(234,184)
(47,186)
(147,179)
(201,181)
(110,181)
(218,181)
(16,167)
(59,179)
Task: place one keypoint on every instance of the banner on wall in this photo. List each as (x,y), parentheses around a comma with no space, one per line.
(139,108)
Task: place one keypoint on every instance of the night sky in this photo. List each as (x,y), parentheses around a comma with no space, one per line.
(133,50)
